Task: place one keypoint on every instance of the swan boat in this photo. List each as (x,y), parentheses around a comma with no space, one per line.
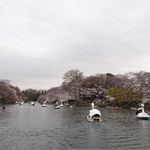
(141,113)
(94,114)
(56,106)
(61,105)
(21,103)
(43,105)
(32,103)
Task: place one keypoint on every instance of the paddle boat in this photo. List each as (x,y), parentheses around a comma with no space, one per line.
(133,108)
(43,105)
(94,114)
(21,103)
(61,105)
(141,113)
(116,108)
(3,108)
(32,103)
(56,106)
(68,106)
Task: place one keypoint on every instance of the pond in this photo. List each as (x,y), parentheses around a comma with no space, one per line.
(25,127)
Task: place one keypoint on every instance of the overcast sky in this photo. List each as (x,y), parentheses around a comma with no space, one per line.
(40,40)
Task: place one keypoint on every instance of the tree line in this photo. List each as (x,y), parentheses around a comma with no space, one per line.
(9,94)
(124,90)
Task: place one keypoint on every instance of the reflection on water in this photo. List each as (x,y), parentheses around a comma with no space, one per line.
(36,127)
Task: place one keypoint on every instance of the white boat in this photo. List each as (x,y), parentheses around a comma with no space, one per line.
(56,106)
(94,114)
(32,103)
(133,108)
(21,103)
(61,105)
(44,105)
(141,113)
(68,106)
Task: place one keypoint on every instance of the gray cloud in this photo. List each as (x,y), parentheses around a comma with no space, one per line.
(42,40)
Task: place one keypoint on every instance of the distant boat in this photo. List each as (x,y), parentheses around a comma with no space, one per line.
(141,113)
(43,105)
(68,106)
(21,103)
(61,105)
(32,103)
(110,107)
(45,102)
(56,106)
(3,108)
(116,108)
(133,108)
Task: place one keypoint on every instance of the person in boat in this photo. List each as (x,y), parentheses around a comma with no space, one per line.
(3,108)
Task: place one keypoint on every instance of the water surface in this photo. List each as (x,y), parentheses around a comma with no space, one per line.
(37,128)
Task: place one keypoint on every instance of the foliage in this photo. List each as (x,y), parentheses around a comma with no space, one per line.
(7,94)
(124,96)
(92,87)
(32,94)
(121,89)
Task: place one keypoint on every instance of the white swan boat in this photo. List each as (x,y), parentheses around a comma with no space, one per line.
(21,103)
(94,114)
(61,105)
(32,103)
(141,113)
(43,105)
(56,106)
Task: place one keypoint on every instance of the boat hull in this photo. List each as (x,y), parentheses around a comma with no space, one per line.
(143,116)
(56,107)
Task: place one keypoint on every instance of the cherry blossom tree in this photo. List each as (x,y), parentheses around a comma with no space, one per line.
(7,94)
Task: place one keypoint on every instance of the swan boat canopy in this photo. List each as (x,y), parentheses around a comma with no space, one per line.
(141,113)
(94,115)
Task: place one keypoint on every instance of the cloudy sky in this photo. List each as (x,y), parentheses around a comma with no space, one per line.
(40,40)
